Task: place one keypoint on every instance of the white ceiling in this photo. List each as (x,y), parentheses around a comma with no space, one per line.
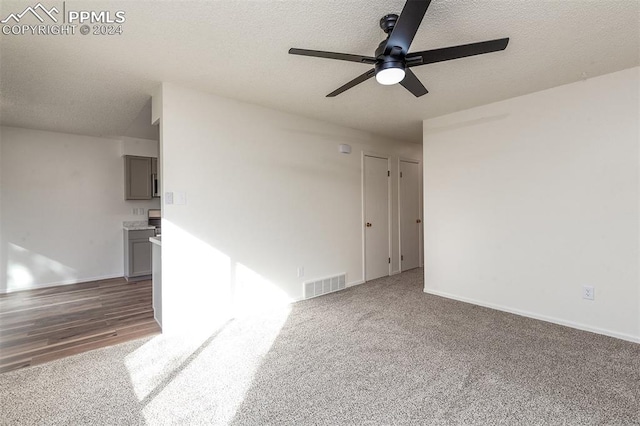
(97,85)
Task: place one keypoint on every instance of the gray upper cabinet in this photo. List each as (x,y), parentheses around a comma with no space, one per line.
(138,177)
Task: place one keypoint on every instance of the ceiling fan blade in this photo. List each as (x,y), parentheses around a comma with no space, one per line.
(407,25)
(361,78)
(412,84)
(448,53)
(331,55)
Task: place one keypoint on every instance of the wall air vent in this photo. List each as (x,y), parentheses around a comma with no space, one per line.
(322,286)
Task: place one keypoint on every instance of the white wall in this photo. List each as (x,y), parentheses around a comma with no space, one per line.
(529,199)
(266,192)
(62,208)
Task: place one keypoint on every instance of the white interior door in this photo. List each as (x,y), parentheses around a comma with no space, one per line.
(376,214)
(410,221)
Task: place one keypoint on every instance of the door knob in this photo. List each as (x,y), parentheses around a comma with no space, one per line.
(418,221)
(368,225)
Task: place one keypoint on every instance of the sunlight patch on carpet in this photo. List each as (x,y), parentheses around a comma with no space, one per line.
(203,383)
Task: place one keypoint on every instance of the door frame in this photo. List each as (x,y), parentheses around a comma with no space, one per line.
(363,218)
(420,213)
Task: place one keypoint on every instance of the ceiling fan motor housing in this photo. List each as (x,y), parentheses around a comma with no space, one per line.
(389,62)
(392,59)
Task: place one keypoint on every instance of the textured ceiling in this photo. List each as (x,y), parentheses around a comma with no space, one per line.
(97,85)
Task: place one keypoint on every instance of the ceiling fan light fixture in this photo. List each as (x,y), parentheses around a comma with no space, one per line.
(389,71)
(390,76)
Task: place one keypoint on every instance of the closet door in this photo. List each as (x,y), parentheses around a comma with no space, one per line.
(376,214)
(410,221)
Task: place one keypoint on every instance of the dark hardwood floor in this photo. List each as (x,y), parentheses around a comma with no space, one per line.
(38,326)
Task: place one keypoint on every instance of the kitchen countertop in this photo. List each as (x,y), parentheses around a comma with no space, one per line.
(140,225)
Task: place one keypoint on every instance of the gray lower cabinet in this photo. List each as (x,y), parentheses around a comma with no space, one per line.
(137,253)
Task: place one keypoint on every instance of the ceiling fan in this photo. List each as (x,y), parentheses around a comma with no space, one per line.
(392,62)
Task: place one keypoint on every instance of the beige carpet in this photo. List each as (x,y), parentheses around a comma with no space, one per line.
(379,353)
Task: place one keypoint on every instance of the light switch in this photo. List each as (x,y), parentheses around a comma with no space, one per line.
(168,197)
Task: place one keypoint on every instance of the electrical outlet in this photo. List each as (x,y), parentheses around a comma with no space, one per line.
(588,292)
(300,271)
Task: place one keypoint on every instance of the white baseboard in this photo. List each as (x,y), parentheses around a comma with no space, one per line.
(395,272)
(354,283)
(583,327)
(60,283)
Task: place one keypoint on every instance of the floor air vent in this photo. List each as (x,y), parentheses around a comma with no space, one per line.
(325,285)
